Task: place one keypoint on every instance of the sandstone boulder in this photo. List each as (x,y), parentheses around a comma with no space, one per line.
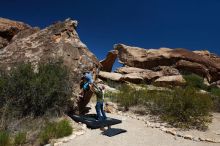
(132,77)
(176,80)
(58,41)
(110,76)
(109,61)
(167,70)
(9,28)
(127,70)
(151,58)
(206,54)
(137,75)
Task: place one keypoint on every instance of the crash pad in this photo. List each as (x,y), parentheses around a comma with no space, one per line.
(113,131)
(91,121)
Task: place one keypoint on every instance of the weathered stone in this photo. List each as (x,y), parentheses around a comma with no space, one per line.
(137,75)
(132,77)
(151,58)
(167,70)
(25,33)
(190,137)
(110,76)
(128,70)
(206,54)
(58,41)
(194,67)
(109,61)
(109,108)
(176,80)
(3,42)
(170,131)
(9,28)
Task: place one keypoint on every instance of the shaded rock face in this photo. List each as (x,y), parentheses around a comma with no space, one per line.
(8,29)
(109,61)
(58,41)
(199,63)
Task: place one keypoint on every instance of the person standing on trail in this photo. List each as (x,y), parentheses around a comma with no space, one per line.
(99,91)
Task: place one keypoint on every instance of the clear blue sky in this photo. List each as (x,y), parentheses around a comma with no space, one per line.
(190,24)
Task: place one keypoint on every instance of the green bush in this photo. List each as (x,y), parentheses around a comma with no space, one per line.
(216,98)
(29,92)
(63,129)
(129,96)
(20,138)
(181,107)
(188,108)
(195,81)
(4,138)
(55,130)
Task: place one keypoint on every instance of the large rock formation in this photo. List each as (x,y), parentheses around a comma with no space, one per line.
(109,61)
(181,59)
(59,40)
(8,29)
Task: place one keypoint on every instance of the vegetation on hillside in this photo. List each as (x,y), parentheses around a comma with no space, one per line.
(27,92)
(184,107)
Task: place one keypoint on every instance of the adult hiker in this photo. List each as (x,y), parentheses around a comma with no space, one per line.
(99,91)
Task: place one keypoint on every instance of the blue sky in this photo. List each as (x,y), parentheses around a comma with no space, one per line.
(190,24)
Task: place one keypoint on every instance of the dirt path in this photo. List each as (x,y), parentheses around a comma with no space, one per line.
(138,134)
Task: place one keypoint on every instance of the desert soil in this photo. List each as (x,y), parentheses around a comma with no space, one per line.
(138,134)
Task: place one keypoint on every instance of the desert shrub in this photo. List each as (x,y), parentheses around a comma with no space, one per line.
(63,129)
(187,108)
(216,98)
(55,130)
(20,138)
(195,81)
(30,92)
(4,138)
(181,107)
(129,96)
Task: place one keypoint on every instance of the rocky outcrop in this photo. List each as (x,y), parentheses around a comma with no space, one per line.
(166,70)
(208,55)
(109,61)
(165,81)
(110,76)
(58,41)
(180,59)
(3,42)
(8,29)
(138,75)
(128,70)
(135,77)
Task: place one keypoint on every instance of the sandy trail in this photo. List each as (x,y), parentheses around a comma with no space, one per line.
(138,134)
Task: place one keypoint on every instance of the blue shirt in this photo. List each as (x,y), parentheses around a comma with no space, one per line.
(88,77)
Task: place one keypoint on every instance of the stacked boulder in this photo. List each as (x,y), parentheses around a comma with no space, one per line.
(163,66)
